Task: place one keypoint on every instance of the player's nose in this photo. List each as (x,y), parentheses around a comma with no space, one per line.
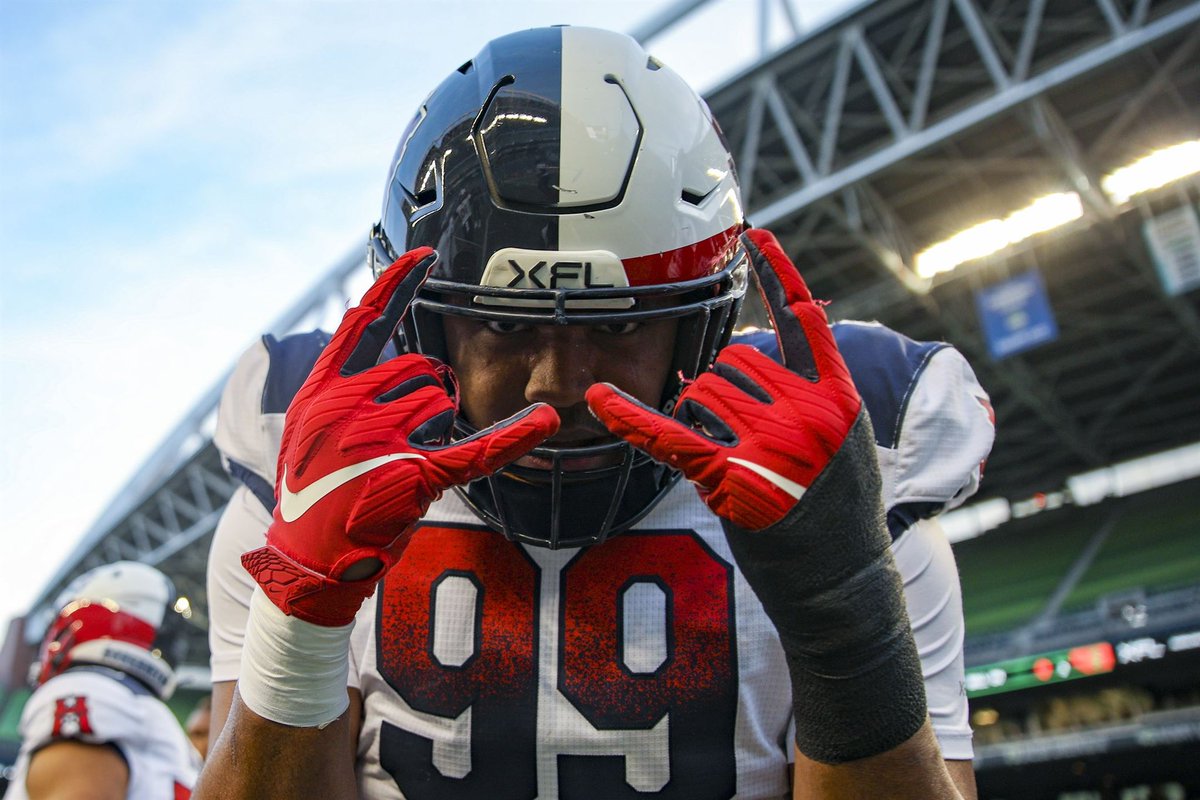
(560,369)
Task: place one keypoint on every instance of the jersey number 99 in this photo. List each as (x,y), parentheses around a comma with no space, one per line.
(629,692)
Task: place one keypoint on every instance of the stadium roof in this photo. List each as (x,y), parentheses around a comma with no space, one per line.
(912,120)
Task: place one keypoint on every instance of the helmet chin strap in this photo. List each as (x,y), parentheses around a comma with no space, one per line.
(125,657)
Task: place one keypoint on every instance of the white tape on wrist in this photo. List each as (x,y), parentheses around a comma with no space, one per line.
(293,672)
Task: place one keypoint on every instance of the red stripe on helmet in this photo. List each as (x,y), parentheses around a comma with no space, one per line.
(100,621)
(683,263)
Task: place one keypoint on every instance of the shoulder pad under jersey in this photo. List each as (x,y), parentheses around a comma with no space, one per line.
(933,422)
(92,705)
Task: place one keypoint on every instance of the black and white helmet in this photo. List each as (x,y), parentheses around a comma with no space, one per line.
(565,177)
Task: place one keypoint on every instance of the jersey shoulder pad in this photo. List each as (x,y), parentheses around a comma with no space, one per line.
(933,422)
(886,367)
(94,705)
(945,437)
(253,403)
(883,363)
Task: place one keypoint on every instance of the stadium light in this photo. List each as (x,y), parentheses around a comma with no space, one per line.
(971,521)
(1084,489)
(1054,210)
(1150,172)
(984,717)
(992,236)
(1138,475)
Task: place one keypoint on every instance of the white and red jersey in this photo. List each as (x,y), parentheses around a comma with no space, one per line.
(99,705)
(644,667)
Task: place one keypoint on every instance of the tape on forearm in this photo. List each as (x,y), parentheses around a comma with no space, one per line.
(826,578)
(293,672)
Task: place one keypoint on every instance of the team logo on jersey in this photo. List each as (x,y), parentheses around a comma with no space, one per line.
(516,268)
(71,717)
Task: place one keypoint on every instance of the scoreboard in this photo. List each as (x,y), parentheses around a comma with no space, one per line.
(1041,668)
(1055,666)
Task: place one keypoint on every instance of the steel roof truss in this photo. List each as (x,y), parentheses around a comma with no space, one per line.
(1136,389)
(1135,105)
(1006,94)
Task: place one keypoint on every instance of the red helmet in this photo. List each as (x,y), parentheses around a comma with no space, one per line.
(110,616)
(566,177)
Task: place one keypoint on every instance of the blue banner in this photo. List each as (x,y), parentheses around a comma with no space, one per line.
(1016,315)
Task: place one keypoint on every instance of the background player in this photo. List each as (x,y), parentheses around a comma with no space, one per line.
(589,235)
(97,725)
(198,723)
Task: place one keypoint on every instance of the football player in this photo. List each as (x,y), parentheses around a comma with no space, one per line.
(534,525)
(97,725)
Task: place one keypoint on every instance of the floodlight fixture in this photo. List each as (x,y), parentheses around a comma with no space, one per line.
(1043,214)
(1085,489)
(1138,475)
(1159,168)
(972,520)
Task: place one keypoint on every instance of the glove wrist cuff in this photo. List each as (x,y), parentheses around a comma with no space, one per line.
(293,672)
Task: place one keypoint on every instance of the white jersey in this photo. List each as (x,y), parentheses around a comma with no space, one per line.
(98,705)
(644,667)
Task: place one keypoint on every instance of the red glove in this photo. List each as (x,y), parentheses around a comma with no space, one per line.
(752,434)
(365,452)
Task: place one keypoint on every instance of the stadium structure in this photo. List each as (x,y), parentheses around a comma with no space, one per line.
(1020,178)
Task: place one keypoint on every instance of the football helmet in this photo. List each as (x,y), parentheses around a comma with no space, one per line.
(111,616)
(567,177)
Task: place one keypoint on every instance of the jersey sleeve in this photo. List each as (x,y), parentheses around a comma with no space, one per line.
(245,434)
(933,422)
(250,416)
(934,428)
(249,429)
(242,527)
(944,438)
(933,597)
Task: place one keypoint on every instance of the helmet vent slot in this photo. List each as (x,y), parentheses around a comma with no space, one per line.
(695,198)
(653,64)
(467,67)
(425,197)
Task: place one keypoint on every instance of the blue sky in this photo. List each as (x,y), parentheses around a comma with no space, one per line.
(174,175)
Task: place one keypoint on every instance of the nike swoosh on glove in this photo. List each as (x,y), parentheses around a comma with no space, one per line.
(365,450)
(752,434)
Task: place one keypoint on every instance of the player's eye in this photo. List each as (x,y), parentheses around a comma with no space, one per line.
(505,326)
(619,328)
